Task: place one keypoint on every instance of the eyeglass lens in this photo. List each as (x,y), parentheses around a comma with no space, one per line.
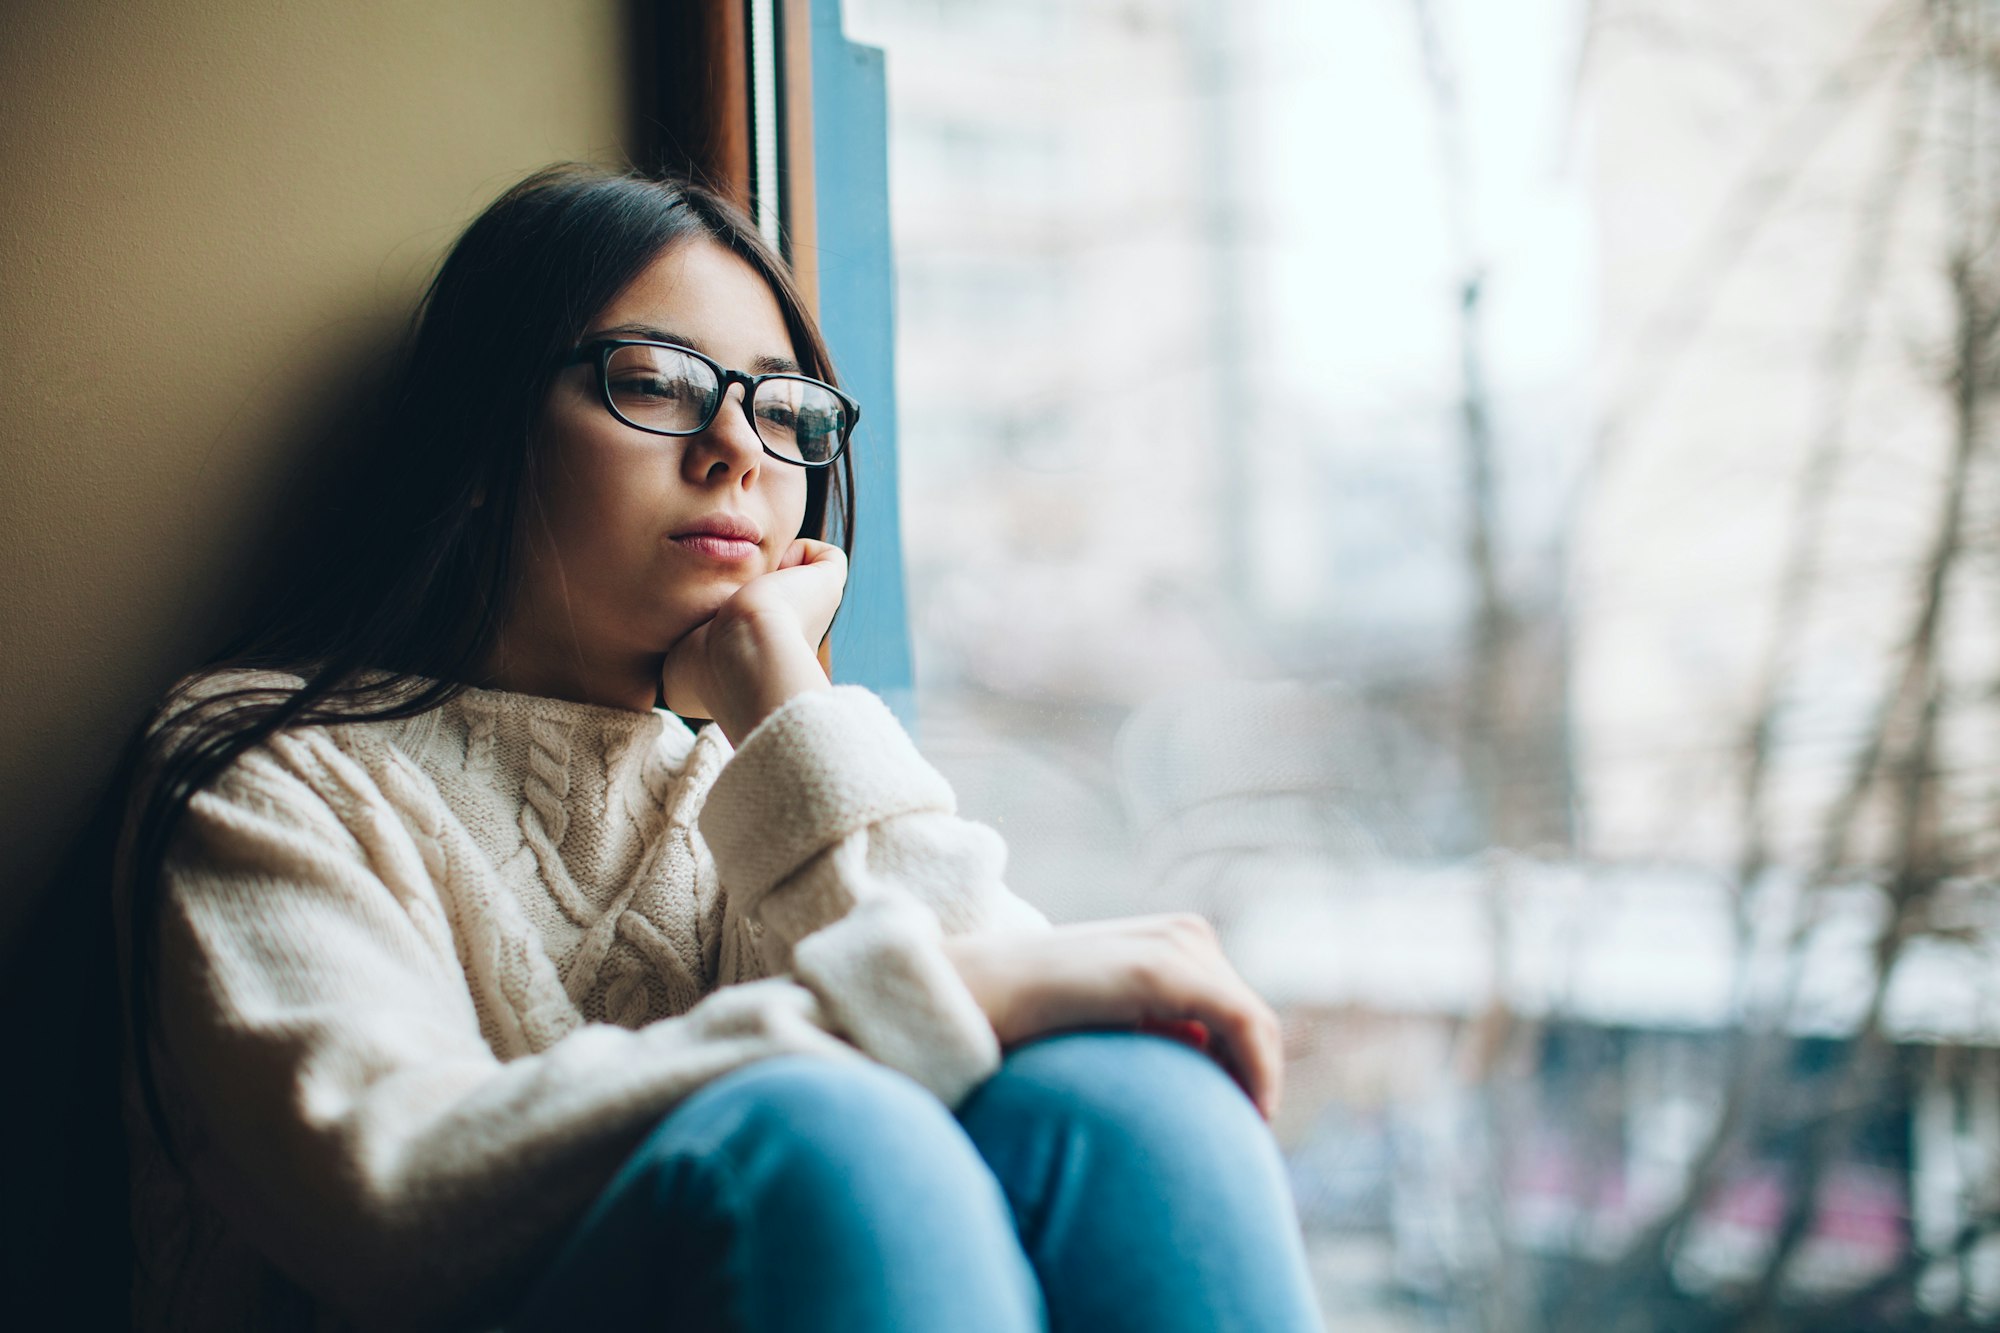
(658,388)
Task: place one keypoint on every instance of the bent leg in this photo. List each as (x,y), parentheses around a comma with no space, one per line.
(1147,1190)
(797,1193)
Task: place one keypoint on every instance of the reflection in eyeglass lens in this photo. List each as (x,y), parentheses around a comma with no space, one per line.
(660,388)
(799,419)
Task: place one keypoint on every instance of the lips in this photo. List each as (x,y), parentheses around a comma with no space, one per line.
(729,527)
(728,537)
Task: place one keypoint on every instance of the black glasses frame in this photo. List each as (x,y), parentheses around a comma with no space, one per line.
(599,351)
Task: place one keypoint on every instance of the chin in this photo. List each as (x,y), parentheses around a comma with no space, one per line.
(688,611)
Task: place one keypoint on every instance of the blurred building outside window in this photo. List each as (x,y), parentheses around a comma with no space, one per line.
(1495,505)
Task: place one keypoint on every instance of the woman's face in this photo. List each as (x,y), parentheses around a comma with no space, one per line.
(614,569)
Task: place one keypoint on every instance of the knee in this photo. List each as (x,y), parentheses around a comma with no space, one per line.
(1153,1094)
(810,1120)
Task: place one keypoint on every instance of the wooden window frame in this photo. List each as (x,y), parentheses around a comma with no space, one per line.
(692,83)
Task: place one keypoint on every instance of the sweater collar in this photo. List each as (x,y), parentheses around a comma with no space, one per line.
(593,727)
(587,719)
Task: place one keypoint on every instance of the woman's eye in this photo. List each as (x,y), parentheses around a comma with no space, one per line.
(650,386)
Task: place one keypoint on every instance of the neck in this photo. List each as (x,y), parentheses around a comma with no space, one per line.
(629,683)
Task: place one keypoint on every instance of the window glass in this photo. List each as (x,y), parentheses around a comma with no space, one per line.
(1488,503)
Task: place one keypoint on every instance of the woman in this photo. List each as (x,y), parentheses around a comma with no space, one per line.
(472,988)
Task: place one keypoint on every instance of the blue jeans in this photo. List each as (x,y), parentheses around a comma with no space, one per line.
(1099,1181)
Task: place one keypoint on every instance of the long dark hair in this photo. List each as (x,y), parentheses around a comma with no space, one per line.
(403,610)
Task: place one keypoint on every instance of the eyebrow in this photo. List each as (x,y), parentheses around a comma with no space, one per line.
(763,365)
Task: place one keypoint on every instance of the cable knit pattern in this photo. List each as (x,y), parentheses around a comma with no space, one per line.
(425,983)
(482,715)
(544,818)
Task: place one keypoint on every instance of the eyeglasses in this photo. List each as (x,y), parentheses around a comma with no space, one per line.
(668,389)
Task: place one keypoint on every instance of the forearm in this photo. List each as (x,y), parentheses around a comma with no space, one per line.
(840,841)
(835,779)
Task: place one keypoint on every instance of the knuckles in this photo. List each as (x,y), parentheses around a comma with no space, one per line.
(1189,928)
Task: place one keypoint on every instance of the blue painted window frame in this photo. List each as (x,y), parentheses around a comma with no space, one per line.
(857,311)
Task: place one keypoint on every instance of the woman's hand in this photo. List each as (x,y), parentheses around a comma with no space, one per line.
(761,649)
(1148,971)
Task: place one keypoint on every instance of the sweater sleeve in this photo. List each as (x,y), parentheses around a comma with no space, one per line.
(330,1086)
(833,834)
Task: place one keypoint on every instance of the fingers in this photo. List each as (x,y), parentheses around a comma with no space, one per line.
(1242,1029)
(1251,1040)
(806,551)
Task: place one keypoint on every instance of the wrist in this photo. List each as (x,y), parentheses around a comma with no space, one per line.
(759,668)
(967,959)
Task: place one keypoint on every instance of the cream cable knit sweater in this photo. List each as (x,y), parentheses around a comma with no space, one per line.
(426,983)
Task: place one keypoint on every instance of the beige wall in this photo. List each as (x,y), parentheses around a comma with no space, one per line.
(215,217)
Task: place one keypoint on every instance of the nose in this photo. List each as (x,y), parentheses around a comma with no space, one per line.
(728,451)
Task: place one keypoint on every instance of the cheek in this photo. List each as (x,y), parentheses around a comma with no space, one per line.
(789,505)
(592,507)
